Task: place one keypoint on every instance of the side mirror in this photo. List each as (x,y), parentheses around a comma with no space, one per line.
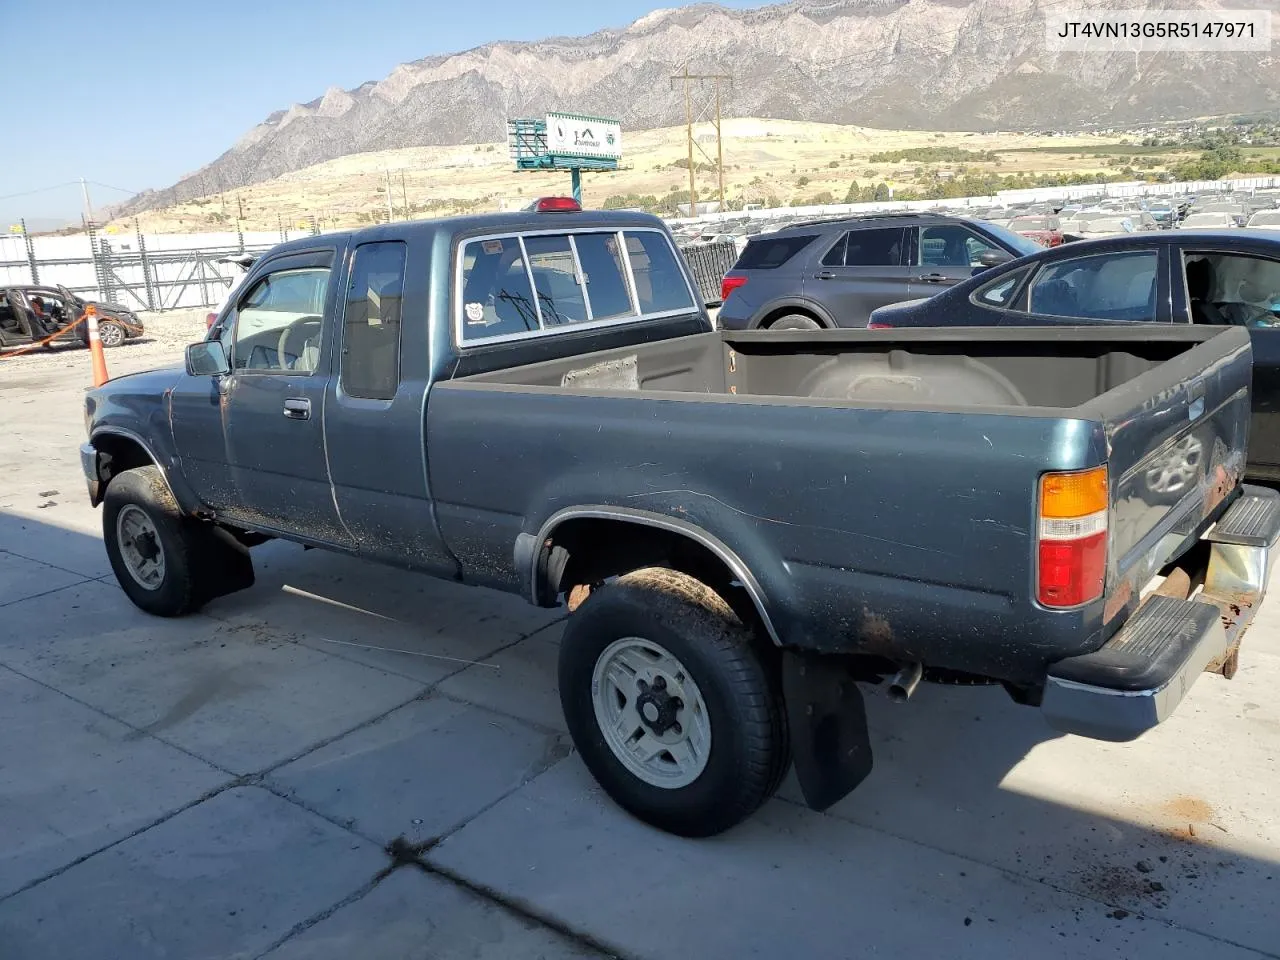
(208,358)
(993,258)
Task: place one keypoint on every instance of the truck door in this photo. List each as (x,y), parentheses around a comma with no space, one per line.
(374,410)
(272,401)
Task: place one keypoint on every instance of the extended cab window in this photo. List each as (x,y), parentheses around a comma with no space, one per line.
(371,321)
(279,322)
(555,278)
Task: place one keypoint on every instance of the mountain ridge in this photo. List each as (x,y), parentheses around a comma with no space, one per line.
(925,64)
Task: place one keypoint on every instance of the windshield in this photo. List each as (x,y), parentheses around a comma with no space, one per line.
(1034,223)
(1014,241)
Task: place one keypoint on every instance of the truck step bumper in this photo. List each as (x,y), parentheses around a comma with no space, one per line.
(1140,675)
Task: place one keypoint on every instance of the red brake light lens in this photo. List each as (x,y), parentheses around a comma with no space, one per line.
(730,284)
(879,326)
(558,205)
(1072,571)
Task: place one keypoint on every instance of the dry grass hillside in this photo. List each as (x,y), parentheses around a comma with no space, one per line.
(785,161)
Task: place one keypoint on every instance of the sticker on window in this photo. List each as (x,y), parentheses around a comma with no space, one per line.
(492,246)
(475,311)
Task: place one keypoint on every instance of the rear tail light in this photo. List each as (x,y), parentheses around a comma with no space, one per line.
(1072,543)
(730,284)
(879,326)
(209,320)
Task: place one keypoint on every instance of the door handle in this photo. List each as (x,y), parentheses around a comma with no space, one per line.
(933,277)
(297,408)
(824,275)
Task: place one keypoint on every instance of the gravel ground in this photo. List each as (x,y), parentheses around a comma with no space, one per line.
(161,345)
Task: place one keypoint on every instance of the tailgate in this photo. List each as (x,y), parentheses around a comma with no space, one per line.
(1177,437)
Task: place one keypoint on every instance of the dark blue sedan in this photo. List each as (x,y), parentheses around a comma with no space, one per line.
(1219,277)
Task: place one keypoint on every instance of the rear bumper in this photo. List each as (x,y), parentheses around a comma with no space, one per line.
(1139,677)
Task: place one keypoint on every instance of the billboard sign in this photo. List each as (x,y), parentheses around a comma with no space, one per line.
(572,135)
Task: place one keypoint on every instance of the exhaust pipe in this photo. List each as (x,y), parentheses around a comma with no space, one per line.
(904,683)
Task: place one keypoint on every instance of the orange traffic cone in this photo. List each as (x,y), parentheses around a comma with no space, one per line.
(95,347)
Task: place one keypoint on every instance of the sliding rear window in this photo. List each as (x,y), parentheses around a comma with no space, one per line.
(770,253)
(537,283)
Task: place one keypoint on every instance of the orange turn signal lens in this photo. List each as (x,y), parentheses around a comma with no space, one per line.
(1076,494)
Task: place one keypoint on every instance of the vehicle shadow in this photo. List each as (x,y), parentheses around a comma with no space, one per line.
(1182,826)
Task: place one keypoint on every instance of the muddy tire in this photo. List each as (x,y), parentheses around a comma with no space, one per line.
(674,711)
(167,564)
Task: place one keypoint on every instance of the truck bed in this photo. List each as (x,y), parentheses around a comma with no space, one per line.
(862,474)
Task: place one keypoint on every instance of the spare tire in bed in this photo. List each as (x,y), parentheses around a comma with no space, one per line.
(905,377)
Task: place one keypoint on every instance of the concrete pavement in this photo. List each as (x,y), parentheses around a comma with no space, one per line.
(349,761)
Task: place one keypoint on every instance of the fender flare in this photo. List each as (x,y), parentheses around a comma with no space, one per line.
(180,492)
(528,547)
(800,303)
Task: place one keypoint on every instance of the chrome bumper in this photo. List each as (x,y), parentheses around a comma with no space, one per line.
(1140,675)
(89,464)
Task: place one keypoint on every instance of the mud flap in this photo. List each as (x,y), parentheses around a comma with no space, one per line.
(224,564)
(828,720)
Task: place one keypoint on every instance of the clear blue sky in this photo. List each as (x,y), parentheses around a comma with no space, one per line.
(136,93)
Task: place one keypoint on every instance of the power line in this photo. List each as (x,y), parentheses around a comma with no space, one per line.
(98,183)
(27,193)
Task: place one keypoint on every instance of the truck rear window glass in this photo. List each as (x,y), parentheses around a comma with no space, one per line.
(605,275)
(371,321)
(771,252)
(513,285)
(497,297)
(660,282)
(555,278)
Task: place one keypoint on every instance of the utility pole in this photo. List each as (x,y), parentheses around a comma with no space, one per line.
(404,194)
(719,149)
(694,113)
(688,119)
(240,204)
(88,207)
(390,212)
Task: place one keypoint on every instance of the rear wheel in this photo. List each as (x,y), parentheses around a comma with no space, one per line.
(670,705)
(795,321)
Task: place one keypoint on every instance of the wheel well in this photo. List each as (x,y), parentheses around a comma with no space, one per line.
(586,551)
(118,454)
(788,311)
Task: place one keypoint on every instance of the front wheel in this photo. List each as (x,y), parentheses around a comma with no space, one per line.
(168,564)
(110,333)
(672,709)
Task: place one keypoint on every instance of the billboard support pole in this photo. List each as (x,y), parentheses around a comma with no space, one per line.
(575,178)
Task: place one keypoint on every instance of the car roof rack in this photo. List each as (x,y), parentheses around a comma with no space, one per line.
(888,214)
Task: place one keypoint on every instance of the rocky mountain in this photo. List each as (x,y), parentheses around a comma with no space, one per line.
(941,64)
